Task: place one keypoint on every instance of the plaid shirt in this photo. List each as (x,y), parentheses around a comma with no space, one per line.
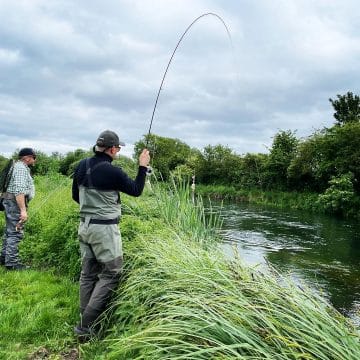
(21,181)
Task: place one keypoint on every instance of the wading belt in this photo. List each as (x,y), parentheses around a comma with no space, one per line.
(102,221)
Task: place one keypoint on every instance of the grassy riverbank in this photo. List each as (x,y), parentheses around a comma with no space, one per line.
(281,199)
(179,297)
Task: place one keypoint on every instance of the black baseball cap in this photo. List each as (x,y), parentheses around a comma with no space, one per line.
(27,152)
(108,139)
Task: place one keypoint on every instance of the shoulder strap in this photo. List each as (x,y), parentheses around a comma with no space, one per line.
(89,171)
(8,173)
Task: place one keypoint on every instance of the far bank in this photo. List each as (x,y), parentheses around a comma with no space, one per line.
(336,203)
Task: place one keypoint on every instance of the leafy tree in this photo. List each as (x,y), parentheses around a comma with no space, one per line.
(252,168)
(304,169)
(166,153)
(71,157)
(183,171)
(282,152)
(343,151)
(217,165)
(325,154)
(46,164)
(347,108)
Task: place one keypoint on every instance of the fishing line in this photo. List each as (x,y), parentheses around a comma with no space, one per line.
(172,56)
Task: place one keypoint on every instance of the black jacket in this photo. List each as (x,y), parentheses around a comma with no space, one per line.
(107,177)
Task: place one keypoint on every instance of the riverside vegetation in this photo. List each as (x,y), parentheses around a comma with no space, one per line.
(320,173)
(179,297)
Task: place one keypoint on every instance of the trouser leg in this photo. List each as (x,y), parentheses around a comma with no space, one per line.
(3,248)
(106,285)
(12,236)
(102,292)
(88,278)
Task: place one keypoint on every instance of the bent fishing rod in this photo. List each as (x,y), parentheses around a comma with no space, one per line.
(171,58)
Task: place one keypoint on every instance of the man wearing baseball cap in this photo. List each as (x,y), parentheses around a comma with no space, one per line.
(96,187)
(19,191)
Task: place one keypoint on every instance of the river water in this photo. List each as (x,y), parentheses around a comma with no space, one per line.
(321,250)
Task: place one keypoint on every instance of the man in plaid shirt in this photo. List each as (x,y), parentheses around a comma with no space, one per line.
(19,192)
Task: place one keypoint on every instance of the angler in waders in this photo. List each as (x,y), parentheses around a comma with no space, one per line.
(19,190)
(96,187)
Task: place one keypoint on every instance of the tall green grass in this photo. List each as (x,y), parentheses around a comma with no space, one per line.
(179,297)
(37,313)
(51,233)
(183,302)
(184,212)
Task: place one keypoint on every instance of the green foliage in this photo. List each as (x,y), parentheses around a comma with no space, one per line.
(166,153)
(326,154)
(343,151)
(128,165)
(67,163)
(347,108)
(252,171)
(308,170)
(340,197)
(49,243)
(282,153)
(217,164)
(185,212)
(3,161)
(182,171)
(45,164)
(293,200)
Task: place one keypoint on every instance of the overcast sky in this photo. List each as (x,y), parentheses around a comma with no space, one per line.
(70,69)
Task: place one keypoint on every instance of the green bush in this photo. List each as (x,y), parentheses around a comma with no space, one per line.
(51,234)
(339,198)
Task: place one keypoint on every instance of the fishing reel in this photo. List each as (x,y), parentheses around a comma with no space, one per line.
(149,170)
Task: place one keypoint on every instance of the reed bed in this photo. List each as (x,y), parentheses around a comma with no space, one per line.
(185,212)
(182,300)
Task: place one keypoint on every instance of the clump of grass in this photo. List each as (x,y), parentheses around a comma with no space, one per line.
(184,212)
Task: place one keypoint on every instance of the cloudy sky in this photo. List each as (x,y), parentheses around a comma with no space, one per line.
(70,69)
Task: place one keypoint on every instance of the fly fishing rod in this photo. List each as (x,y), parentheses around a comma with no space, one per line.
(171,58)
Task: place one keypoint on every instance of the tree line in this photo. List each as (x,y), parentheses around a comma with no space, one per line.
(326,162)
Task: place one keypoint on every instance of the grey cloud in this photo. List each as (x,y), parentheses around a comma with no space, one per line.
(72,69)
